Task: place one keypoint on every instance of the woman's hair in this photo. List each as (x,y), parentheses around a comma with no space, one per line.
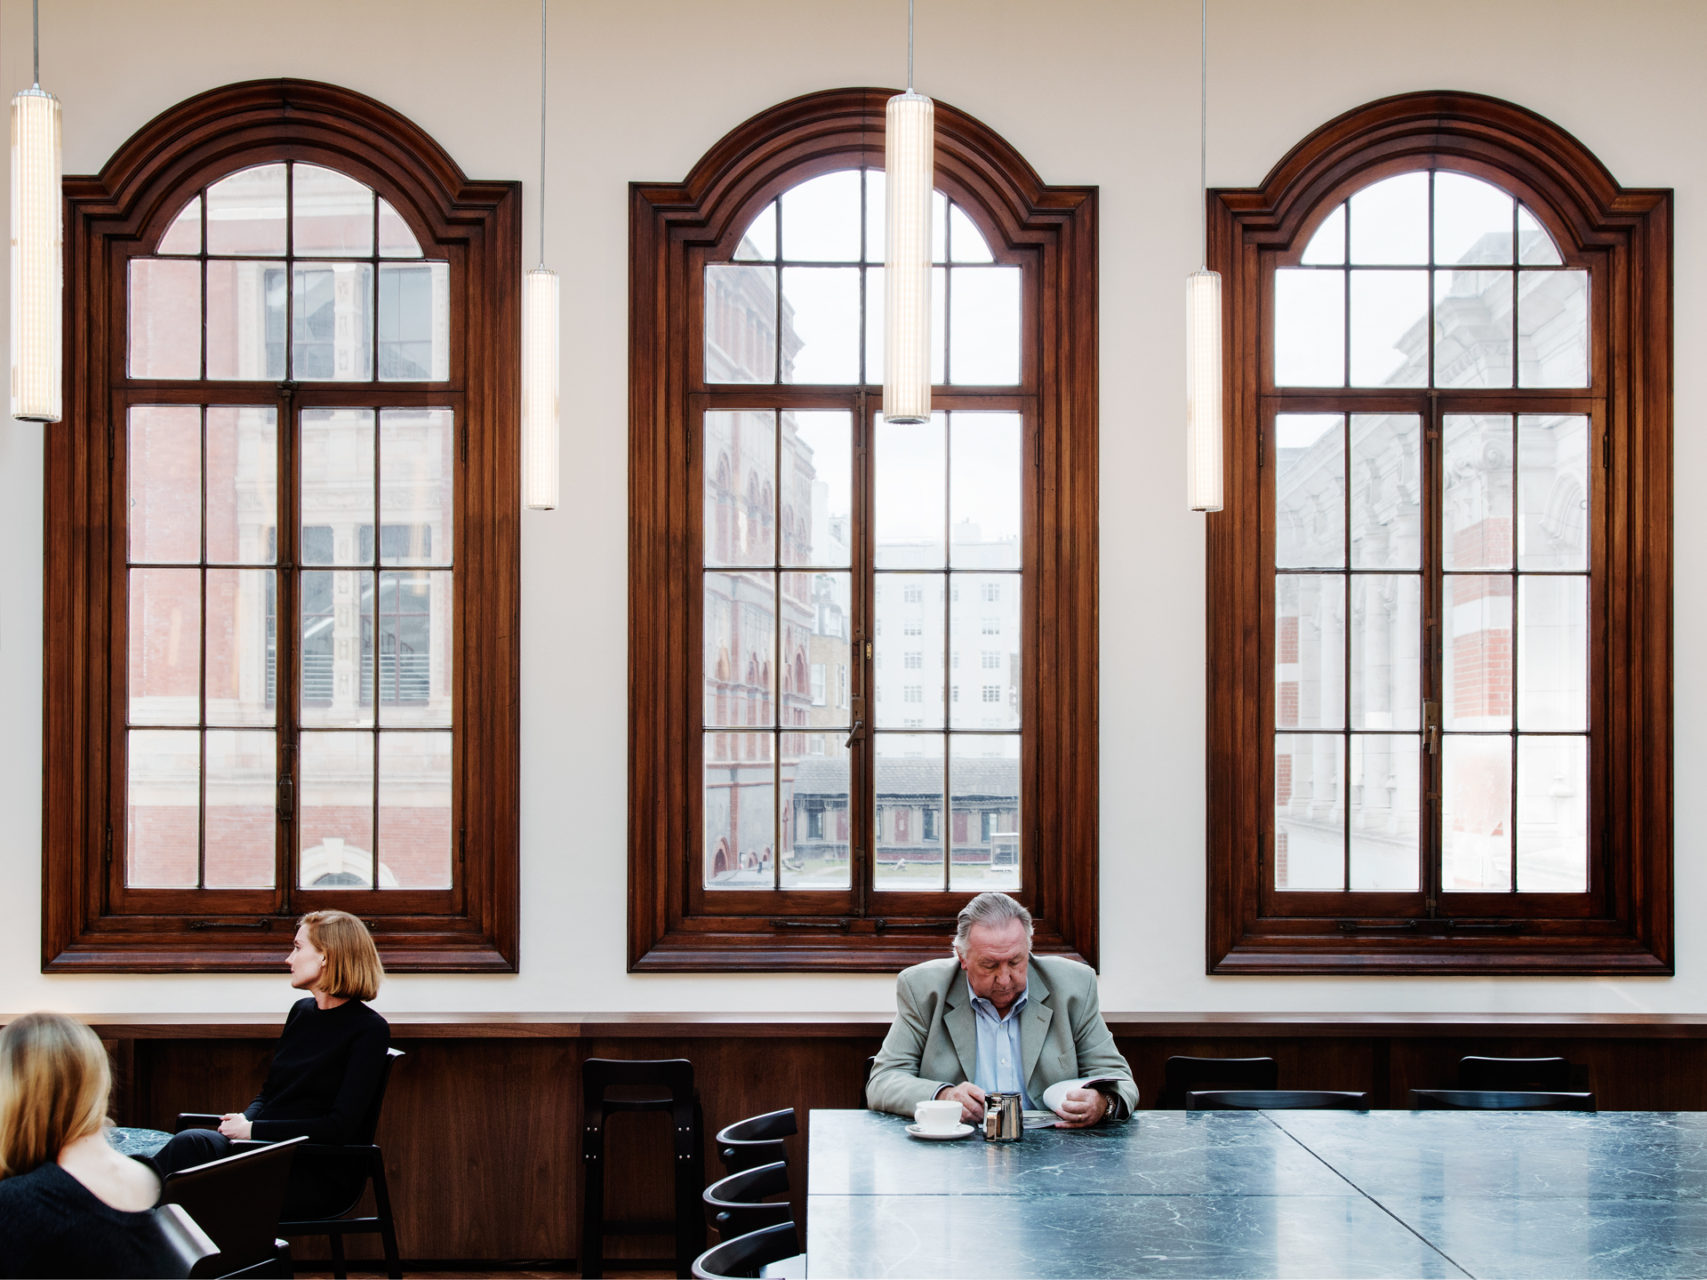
(54,1081)
(353,970)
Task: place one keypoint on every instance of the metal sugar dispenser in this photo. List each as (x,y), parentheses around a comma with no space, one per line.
(1004,1117)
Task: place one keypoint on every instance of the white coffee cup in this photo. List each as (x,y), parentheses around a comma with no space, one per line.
(937,1115)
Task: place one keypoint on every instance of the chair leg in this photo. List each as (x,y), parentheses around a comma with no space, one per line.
(592,1200)
(690,1180)
(387,1227)
(335,1242)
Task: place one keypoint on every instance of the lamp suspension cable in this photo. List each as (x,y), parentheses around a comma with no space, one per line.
(1203,390)
(38,242)
(540,347)
(909,162)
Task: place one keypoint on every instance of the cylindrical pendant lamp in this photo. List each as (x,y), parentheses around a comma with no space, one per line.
(909,157)
(1203,389)
(539,389)
(37,257)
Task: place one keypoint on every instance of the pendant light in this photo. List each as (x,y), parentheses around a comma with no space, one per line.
(909,138)
(540,350)
(1203,333)
(38,242)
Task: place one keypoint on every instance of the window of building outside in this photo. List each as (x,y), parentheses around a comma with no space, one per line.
(277,609)
(814,522)
(1447,498)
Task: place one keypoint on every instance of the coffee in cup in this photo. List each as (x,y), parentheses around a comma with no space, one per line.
(937,1115)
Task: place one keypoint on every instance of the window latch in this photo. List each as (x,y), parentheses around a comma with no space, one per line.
(1431,726)
(287,797)
(858,728)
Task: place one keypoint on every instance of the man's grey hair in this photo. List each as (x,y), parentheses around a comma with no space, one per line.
(988,909)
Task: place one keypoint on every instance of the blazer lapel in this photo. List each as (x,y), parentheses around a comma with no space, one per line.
(961,1027)
(1034,1025)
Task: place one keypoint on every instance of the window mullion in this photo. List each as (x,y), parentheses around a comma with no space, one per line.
(1432,756)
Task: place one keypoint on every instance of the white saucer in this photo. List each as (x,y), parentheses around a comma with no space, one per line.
(949,1135)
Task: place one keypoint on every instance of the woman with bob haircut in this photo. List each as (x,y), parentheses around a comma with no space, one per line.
(70,1205)
(325,1072)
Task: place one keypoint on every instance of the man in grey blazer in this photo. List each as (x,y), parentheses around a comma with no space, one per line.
(994,1017)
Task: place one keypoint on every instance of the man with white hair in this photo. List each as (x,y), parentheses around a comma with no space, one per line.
(995,1018)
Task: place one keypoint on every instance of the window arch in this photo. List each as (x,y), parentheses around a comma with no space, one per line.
(753,338)
(281,543)
(1440,590)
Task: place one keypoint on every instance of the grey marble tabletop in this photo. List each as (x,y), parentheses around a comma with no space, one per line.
(1285,1193)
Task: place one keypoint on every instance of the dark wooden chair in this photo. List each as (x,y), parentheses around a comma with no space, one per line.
(669,1087)
(1276,1100)
(740,1202)
(743,1256)
(189,1245)
(1499,1100)
(238,1201)
(757,1140)
(1549,1075)
(1182,1074)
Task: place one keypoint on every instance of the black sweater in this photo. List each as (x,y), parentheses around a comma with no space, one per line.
(52,1225)
(324,1074)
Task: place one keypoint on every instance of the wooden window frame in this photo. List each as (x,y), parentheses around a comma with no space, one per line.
(673,227)
(90,922)
(1624,925)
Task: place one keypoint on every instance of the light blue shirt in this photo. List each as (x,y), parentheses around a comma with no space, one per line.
(1001,1068)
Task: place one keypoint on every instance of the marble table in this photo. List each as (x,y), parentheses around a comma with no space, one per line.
(1281,1193)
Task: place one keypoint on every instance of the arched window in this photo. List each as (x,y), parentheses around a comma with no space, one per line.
(1439,671)
(757,335)
(281,517)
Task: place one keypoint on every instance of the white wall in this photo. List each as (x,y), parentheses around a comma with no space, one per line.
(1101,93)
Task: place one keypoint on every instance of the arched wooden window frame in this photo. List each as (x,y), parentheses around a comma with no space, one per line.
(122,212)
(1623,236)
(674,229)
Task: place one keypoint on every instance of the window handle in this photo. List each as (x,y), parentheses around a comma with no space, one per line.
(287,797)
(1431,726)
(858,728)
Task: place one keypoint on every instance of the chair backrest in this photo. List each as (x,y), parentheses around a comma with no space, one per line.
(738,1203)
(1550,1075)
(757,1140)
(370,1122)
(188,1243)
(1182,1074)
(1276,1100)
(237,1200)
(742,1257)
(1499,1100)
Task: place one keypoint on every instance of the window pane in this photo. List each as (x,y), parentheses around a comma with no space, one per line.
(740,640)
(1472,328)
(984,490)
(335,810)
(246,320)
(984,826)
(985,328)
(1309,490)
(740,324)
(1472,221)
(185,233)
(164,459)
(877,218)
(1309,651)
(1478,501)
(242,484)
(165,318)
(1309,328)
(1389,221)
(1386,497)
(1476,820)
(1552,494)
(758,242)
(1384,812)
(817,518)
(165,646)
(242,789)
(1552,815)
(415,835)
(414,647)
(1386,629)
(986,623)
(332,215)
(911,494)
(740,811)
(417,489)
(820,324)
(1477,659)
(820,219)
(396,240)
(740,487)
(830,656)
(336,649)
(1327,246)
(337,484)
(966,242)
(241,646)
(1309,818)
(909,670)
(1389,336)
(162,809)
(246,212)
(414,322)
(1535,247)
(816,772)
(1552,329)
(332,328)
(909,785)
(1552,653)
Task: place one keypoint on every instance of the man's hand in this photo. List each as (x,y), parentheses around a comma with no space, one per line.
(235,1125)
(1081,1108)
(971,1099)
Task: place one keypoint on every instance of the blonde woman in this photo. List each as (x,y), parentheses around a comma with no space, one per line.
(325,1071)
(70,1205)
